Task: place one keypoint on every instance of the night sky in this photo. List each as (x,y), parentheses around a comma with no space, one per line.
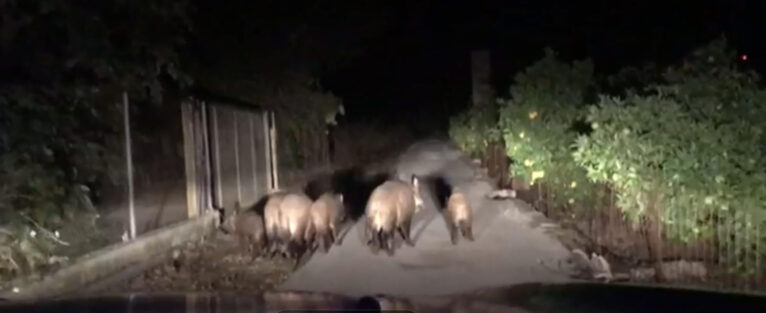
(417,69)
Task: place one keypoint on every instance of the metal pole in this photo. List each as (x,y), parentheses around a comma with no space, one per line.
(206,138)
(190,159)
(217,160)
(253,158)
(267,151)
(236,158)
(129,165)
(274,154)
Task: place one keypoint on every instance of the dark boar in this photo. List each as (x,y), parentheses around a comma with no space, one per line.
(248,226)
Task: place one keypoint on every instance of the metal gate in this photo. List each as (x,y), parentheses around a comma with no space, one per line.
(230,155)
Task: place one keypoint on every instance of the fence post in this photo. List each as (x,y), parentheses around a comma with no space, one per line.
(217,159)
(267,151)
(274,155)
(129,164)
(205,127)
(190,159)
(236,157)
(253,158)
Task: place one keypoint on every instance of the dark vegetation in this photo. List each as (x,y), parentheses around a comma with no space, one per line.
(65,66)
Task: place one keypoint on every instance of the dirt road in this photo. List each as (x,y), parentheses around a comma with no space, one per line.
(511,242)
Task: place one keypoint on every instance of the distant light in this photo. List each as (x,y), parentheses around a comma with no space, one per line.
(743,57)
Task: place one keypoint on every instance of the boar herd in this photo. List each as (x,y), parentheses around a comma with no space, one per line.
(292,224)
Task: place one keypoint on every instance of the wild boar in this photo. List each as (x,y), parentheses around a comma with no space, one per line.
(248,226)
(272,217)
(459,216)
(391,207)
(327,214)
(296,224)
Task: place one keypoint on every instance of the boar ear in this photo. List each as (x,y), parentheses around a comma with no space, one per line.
(340,197)
(414,180)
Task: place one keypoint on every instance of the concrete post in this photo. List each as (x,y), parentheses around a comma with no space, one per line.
(190,159)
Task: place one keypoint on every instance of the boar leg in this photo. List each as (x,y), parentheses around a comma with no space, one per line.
(299,253)
(273,247)
(372,241)
(260,244)
(321,242)
(389,243)
(404,230)
(310,233)
(326,242)
(333,234)
(276,247)
(292,249)
(466,230)
(298,247)
(369,233)
(453,233)
(381,239)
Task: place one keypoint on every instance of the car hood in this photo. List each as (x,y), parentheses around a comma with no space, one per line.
(535,297)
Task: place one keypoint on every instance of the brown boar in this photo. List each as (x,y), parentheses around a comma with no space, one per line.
(390,208)
(327,214)
(296,224)
(248,226)
(459,216)
(272,217)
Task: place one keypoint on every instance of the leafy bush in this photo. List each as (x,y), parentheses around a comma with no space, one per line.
(686,147)
(539,125)
(692,150)
(474,129)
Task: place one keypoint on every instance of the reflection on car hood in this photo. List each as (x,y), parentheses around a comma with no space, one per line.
(571,297)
